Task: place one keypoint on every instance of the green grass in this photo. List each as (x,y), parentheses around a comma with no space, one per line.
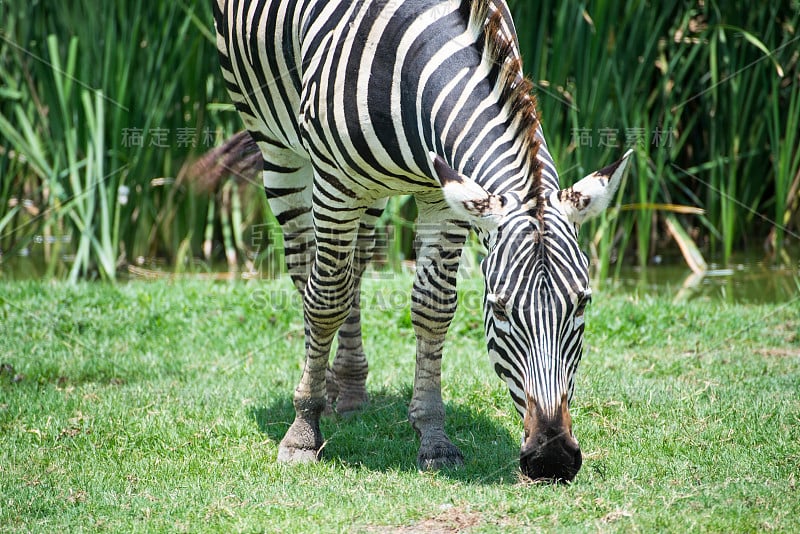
(159,406)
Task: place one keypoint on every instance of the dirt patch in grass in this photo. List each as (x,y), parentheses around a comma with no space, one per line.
(451,520)
(779,353)
(616,515)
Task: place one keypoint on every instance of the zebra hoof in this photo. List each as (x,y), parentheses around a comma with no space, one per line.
(302,443)
(438,456)
(292,455)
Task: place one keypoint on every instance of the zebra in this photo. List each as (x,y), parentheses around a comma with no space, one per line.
(353,102)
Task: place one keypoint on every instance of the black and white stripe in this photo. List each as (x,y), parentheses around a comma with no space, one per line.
(352,102)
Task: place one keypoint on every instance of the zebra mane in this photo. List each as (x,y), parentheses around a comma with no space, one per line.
(515,89)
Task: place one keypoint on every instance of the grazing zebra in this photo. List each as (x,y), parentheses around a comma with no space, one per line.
(352,102)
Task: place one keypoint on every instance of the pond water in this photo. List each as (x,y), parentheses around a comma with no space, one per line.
(752,282)
(748,279)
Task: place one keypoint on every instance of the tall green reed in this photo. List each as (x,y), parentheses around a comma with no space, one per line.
(101,104)
(784,134)
(695,81)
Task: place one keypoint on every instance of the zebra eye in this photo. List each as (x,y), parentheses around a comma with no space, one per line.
(499,312)
(582,306)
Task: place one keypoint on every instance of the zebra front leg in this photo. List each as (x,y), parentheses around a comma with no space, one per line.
(348,376)
(326,303)
(434,300)
(290,199)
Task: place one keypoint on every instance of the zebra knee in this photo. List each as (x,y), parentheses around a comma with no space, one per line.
(326,306)
(432,312)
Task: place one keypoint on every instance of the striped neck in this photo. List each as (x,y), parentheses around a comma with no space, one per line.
(476,106)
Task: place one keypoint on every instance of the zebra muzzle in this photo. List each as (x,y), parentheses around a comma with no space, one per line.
(549,451)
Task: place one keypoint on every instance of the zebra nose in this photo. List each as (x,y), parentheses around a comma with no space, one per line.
(550,456)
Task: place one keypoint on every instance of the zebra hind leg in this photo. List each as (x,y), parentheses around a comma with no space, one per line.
(433,306)
(346,379)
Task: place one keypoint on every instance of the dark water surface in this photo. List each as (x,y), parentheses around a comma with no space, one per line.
(752,282)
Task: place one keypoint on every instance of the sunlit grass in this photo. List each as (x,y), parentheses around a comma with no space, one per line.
(99,108)
(159,407)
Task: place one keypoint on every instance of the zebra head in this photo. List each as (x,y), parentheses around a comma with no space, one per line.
(536,290)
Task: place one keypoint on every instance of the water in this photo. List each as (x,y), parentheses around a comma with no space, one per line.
(748,279)
(752,282)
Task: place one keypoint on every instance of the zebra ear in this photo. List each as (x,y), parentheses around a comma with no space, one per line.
(467,198)
(590,196)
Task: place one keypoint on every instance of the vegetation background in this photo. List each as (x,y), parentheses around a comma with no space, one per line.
(159,406)
(101,110)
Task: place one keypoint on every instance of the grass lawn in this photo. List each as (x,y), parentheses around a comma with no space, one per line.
(159,407)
